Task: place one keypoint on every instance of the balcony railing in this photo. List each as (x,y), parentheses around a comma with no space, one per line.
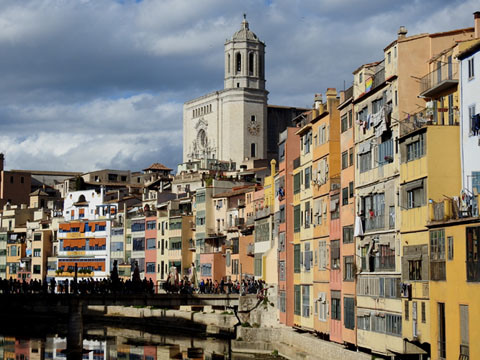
(251,249)
(415,121)
(240,222)
(385,263)
(375,222)
(379,78)
(260,213)
(175,212)
(439,80)
(349,93)
(450,209)
(378,263)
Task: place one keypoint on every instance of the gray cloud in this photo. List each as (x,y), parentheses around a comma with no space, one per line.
(100,83)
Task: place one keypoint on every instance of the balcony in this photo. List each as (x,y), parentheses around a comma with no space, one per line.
(439,80)
(251,249)
(416,121)
(191,245)
(250,221)
(378,78)
(175,212)
(375,223)
(378,263)
(450,209)
(212,232)
(263,212)
(240,222)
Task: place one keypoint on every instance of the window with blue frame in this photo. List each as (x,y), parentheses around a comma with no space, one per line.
(138,244)
(100,227)
(138,226)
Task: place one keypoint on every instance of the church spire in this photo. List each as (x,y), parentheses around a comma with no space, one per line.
(244,59)
(245,22)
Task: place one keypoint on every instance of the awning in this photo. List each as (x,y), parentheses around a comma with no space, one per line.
(364,147)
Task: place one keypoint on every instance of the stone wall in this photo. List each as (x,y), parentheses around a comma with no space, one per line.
(291,344)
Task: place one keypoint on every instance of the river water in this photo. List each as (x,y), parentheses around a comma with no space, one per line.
(116,343)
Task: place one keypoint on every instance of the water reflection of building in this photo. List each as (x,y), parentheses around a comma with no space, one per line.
(116,344)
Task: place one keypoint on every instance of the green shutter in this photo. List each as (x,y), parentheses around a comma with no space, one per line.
(296,183)
(296,258)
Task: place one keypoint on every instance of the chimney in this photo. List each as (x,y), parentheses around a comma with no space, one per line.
(331,97)
(272,168)
(318,104)
(476,21)
(2,159)
(402,32)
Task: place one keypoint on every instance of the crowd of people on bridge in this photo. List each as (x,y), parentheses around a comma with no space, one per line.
(188,284)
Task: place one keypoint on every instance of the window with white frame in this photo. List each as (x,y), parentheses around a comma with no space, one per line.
(471,68)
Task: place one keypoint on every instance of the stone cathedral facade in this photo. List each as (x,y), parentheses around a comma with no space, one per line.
(230,124)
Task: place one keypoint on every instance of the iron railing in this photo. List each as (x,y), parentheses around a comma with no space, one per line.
(446,72)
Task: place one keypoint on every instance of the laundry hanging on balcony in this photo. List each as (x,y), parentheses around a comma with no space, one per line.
(379,122)
(358,231)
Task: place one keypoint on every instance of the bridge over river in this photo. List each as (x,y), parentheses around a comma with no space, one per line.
(73,306)
(58,302)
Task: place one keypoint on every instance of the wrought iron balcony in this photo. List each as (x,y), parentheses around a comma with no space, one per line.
(439,80)
(375,223)
(251,249)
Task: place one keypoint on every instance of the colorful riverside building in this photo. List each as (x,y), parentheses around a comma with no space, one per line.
(289,150)
(454,228)
(181,249)
(151,246)
(348,262)
(325,219)
(303,231)
(84,237)
(13,235)
(430,172)
(377,243)
(385,93)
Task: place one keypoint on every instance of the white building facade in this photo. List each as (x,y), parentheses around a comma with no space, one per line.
(470,116)
(230,124)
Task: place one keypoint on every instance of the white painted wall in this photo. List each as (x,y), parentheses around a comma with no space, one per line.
(470,96)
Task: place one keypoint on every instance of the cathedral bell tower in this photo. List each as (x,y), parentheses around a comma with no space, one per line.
(244,60)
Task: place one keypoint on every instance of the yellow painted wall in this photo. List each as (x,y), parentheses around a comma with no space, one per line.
(456,291)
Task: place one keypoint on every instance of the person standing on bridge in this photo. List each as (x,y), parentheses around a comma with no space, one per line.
(114,277)
(194,277)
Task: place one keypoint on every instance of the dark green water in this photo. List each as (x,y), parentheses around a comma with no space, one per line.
(113,343)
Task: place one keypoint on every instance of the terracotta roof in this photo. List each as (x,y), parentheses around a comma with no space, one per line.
(38,192)
(470,50)
(235,191)
(114,184)
(157,166)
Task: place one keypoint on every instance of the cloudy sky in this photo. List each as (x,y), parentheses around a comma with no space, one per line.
(93,84)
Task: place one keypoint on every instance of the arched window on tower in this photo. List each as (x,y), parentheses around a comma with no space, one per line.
(228,63)
(239,62)
(251,58)
(260,66)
